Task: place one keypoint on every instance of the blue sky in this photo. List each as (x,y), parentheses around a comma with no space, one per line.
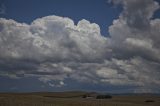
(42,50)
(97,11)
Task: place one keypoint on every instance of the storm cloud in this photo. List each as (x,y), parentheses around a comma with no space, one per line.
(54,49)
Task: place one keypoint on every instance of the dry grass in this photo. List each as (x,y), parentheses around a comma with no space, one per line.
(74,99)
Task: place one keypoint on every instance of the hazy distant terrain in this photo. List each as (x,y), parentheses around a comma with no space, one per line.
(75,99)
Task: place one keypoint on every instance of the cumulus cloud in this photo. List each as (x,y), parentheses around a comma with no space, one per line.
(54,49)
(135,36)
(48,47)
(137,13)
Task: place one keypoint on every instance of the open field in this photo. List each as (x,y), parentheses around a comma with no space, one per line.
(74,99)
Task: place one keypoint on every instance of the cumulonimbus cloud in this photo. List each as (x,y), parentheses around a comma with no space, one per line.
(53,48)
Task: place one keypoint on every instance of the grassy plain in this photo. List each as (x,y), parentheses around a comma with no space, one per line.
(75,99)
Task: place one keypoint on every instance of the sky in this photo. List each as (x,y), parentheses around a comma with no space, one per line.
(91,45)
(92,10)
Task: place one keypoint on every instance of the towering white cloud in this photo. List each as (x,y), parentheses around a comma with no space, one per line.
(46,48)
(135,36)
(54,49)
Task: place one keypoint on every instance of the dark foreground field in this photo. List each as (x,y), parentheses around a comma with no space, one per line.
(75,99)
